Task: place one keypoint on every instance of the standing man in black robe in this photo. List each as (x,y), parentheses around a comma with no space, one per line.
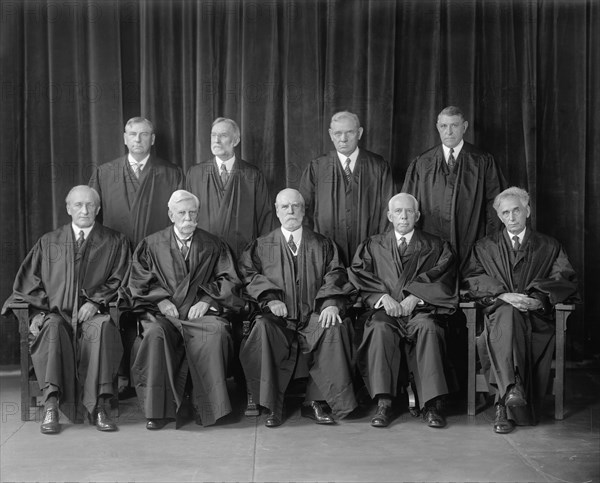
(455,184)
(68,279)
(407,279)
(135,189)
(518,275)
(302,289)
(346,189)
(233,194)
(181,281)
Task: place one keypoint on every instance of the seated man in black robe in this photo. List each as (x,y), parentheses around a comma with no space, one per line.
(68,279)
(407,279)
(181,280)
(518,275)
(295,277)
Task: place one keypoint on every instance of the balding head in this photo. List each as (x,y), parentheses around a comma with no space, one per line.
(289,206)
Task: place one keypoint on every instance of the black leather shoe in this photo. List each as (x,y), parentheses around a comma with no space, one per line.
(501,424)
(273,420)
(515,396)
(434,418)
(382,417)
(315,411)
(102,421)
(155,424)
(50,424)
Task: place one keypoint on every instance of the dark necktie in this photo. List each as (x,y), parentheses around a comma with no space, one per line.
(402,246)
(184,248)
(347,170)
(137,169)
(516,244)
(80,240)
(224,174)
(451,160)
(292,245)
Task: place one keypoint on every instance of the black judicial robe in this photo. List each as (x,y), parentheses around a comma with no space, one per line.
(268,269)
(540,269)
(347,213)
(426,270)
(457,207)
(57,280)
(171,346)
(308,284)
(240,211)
(136,207)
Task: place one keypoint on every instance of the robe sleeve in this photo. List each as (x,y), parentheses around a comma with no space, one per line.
(28,286)
(411,180)
(224,287)
(257,285)
(477,284)
(437,286)
(144,290)
(561,283)
(336,289)
(107,291)
(307,189)
(264,209)
(361,274)
(95,183)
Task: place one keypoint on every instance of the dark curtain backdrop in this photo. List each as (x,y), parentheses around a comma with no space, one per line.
(526,73)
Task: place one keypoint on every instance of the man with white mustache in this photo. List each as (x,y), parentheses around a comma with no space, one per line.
(181,282)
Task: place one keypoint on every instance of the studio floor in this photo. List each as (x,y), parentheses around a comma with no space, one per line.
(242,449)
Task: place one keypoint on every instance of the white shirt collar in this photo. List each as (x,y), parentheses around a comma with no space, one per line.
(353,157)
(86,231)
(296,235)
(228,163)
(520,235)
(133,162)
(456,152)
(407,237)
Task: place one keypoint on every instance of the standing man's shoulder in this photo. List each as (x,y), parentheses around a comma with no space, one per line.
(430,155)
(161,164)
(372,157)
(475,151)
(111,165)
(324,159)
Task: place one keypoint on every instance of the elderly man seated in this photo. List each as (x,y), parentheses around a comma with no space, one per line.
(68,279)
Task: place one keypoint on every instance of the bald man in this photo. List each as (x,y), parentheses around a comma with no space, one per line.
(181,282)
(68,279)
(407,279)
(296,278)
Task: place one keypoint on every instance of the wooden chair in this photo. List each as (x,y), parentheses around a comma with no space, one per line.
(476,382)
(30,390)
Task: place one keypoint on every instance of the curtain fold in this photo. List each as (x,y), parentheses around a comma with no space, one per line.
(526,73)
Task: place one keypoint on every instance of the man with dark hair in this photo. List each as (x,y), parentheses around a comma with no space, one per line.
(302,290)
(455,184)
(233,194)
(407,279)
(518,274)
(181,281)
(135,189)
(68,279)
(346,189)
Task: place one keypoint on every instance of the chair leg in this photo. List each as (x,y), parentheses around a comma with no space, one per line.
(559,378)
(252,409)
(471,316)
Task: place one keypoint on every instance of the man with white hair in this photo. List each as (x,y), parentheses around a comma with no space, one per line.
(181,282)
(68,279)
(302,290)
(234,199)
(407,279)
(346,189)
(518,274)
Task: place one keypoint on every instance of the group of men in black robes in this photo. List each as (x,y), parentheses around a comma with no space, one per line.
(184,281)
